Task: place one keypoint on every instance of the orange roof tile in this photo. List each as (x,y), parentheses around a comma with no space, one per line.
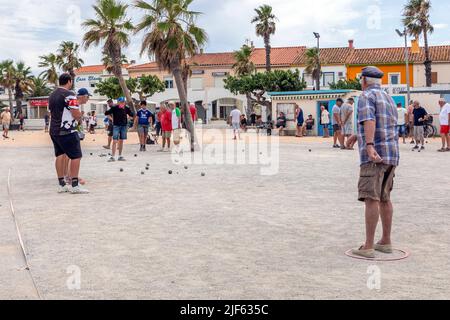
(90,69)
(328,56)
(284,56)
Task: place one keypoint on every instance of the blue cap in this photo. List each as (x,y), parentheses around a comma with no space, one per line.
(121,99)
(83,92)
(372,72)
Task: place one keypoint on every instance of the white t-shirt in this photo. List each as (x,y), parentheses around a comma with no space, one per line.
(175,119)
(401,116)
(325,117)
(443,116)
(235,116)
(336,110)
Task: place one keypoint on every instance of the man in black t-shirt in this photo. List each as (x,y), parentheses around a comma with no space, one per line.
(420,116)
(65,114)
(120,114)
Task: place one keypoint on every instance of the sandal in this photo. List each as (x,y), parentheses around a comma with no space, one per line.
(364,253)
(442,150)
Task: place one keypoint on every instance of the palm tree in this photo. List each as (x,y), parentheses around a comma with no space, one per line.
(108,62)
(172,37)
(313,65)
(7,78)
(40,87)
(23,84)
(265,27)
(244,67)
(68,59)
(416,18)
(49,62)
(112,28)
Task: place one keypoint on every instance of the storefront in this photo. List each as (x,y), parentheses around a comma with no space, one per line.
(37,107)
(310,102)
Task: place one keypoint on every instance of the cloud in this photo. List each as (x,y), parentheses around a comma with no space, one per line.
(33,28)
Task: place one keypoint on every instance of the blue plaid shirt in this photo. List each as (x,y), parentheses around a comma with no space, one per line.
(375,104)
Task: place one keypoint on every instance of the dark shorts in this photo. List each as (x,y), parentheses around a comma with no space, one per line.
(120,133)
(110,130)
(143,129)
(336,127)
(376,182)
(68,145)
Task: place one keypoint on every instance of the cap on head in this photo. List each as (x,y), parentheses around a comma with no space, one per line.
(372,72)
(121,100)
(83,92)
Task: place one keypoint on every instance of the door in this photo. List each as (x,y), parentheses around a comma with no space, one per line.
(319,115)
(400,99)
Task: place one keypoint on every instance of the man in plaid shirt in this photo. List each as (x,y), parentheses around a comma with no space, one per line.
(379,152)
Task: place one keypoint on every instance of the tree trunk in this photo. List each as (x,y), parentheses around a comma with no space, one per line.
(18,107)
(268,50)
(318,80)
(117,70)
(10,97)
(178,75)
(249,109)
(72,75)
(428,70)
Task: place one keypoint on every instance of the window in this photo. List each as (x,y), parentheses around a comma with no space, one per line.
(196,83)
(328,78)
(394,78)
(308,79)
(168,81)
(434,78)
(288,109)
(218,82)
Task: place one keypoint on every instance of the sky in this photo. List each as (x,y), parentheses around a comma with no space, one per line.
(30,28)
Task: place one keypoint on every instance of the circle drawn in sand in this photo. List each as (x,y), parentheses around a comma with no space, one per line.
(397,255)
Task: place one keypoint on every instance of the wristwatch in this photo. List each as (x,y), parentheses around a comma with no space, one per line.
(370,144)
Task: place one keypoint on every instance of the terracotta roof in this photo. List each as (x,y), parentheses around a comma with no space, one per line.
(94,69)
(285,56)
(150,65)
(328,56)
(90,69)
(397,55)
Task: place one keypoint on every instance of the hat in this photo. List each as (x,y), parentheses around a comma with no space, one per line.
(372,72)
(83,92)
(121,100)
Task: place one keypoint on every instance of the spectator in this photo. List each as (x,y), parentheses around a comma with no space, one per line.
(281,123)
(402,121)
(444,119)
(109,126)
(337,124)
(347,119)
(92,122)
(243,123)
(420,116)
(300,121)
(47,121)
(6,122)
(235,117)
(143,122)
(310,122)
(410,122)
(325,121)
(21,122)
(166,125)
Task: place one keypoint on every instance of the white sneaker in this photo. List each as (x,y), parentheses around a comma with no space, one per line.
(79,190)
(112,159)
(64,189)
(121,159)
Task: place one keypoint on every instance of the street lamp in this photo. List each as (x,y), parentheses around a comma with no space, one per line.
(317,36)
(408,87)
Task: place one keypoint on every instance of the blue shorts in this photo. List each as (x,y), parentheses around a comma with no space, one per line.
(401,130)
(120,133)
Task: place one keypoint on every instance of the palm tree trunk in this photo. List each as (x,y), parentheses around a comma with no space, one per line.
(182,93)
(10,97)
(72,75)
(268,50)
(428,70)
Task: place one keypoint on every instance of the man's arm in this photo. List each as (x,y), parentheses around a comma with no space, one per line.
(349,114)
(337,118)
(369,133)
(76,114)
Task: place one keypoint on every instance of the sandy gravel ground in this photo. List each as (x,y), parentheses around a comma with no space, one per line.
(231,234)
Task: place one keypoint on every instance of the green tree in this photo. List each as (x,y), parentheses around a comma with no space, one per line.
(265,28)
(109,88)
(40,87)
(68,58)
(346,85)
(244,67)
(416,19)
(146,86)
(23,83)
(255,86)
(172,37)
(7,79)
(313,65)
(111,27)
(49,62)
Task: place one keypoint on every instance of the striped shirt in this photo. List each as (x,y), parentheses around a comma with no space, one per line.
(376,105)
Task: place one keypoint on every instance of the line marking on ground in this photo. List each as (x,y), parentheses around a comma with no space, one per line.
(19,236)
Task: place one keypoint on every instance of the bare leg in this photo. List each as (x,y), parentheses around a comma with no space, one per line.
(168,143)
(120,147)
(386,213)
(75,168)
(448,141)
(341,139)
(60,166)
(114,148)
(335,138)
(372,217)
(327,132)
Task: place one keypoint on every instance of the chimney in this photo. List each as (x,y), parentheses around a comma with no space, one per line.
(351,44)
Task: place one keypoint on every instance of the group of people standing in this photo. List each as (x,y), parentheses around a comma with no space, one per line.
(6,120)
